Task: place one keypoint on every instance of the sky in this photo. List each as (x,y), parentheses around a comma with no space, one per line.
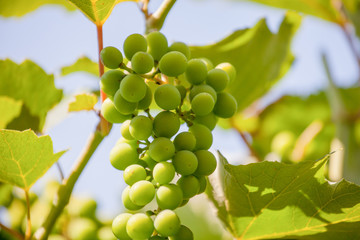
(53,37)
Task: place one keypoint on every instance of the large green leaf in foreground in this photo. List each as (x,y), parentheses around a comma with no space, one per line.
(260,57)
(34,87)
(272,200)
(25,157)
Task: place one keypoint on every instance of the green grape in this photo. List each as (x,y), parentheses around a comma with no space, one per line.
(163,172)
(189,185)
(146,101)
(184,202)
(82,207)
(141,127)
(185,141)
(123,155)
(140,226)
(181,47)
(133,88)
(202,89)
(182,91)
(157,238)
(106,232)
(184,233)
(167,97)
(109,112)
(169,196)
(142,62)
(111,57)
(119,226)
(110,82)
(157,44)
(166,124)
(134,173)
(203,183)
(208,120)
(128,204)
(196,71)
(132,143)
(185,162)
(124,129)
(123,106)
(149,161)
(218,79)
(206,163)
(142,192)
(202,135)
(81,229)
(229,69)
(225,106)
(202,104)
(208,63)
(161,149)
(134,43)
(173,64)
(167,223)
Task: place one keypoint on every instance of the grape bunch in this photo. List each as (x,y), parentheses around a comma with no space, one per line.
(158,161)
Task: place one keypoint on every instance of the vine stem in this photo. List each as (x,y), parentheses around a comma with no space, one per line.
(28,218)
(155,21)
(65,189)
(12,232)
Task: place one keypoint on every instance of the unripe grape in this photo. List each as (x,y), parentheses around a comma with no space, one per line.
(203,183)
(134,43)
(189,185)
(167,223)
(184,233)
(111,57)
(123,155)
(123,106)
(81,229)
(110,82)
(142,192)
(208,120)
(163,172)
(169,196)
(128,204)
(196,71)
(218,79)
(167,97)
(133,143)
(140,226)
(225,106)
(182,91)
(229,69)
(141,127)
(202,89)
(166,124)
(202,104)
(173,64)
(146,101)
(158,238)
(185,162)
(208,63)
(134,173)
(149,161)
(133,88)
(161,149)
(202,135)
(124,129)
(142,62)
(109,112)
(119,226)
(181,47)
(206,163)
(184,202)
(157,44)
(185,141)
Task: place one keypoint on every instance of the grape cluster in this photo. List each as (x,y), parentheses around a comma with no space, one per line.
(152,152)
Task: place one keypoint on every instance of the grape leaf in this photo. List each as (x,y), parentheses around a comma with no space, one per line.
(9,109)
(36,89)
(82,102)
(25,157)
(83,64)
(272,200)
(260,57)
(18,8)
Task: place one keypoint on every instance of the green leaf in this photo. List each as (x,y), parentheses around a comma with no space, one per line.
(82,102)
(9,109)
(25,157)
(83,64)
(272,200)
(352,8)
(18,8)
(36,89)
(260,57)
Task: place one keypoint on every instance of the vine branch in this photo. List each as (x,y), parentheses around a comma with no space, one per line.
(155,21)
(12,232)
(28,218)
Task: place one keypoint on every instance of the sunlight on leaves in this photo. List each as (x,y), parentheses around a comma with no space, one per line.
(83,64)
(9,109)
(82,102)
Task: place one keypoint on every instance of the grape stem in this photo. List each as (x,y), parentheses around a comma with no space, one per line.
(149,114)
(12,232)
(155,21)
(123,66)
